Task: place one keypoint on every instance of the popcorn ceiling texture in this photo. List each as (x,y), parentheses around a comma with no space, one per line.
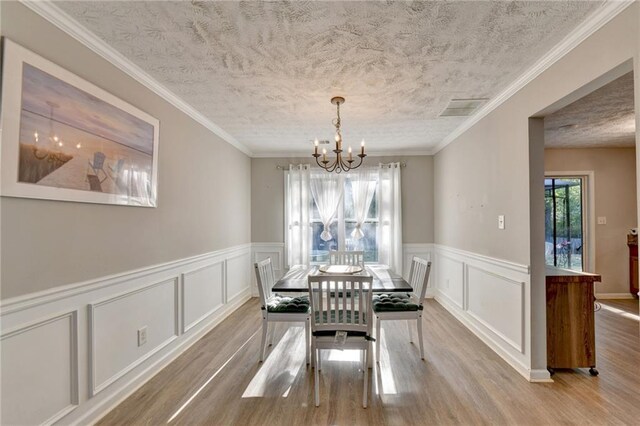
(265,71)
(602,119)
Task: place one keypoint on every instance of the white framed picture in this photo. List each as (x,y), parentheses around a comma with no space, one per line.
(63,138)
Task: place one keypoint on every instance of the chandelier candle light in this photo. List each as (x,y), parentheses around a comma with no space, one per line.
(338,165)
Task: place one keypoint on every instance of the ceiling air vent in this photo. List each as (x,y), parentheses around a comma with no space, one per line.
(462,107)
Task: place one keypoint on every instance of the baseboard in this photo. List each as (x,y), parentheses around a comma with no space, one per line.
(540,376)
(606,296)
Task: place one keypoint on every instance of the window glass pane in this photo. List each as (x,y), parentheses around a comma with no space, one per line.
(349,212)
(368,243)
(563,223)
(320,248)
(373,207)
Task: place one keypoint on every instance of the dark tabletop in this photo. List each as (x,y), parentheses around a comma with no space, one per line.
(384,280)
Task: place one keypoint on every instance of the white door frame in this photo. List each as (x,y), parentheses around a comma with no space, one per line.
(589,216)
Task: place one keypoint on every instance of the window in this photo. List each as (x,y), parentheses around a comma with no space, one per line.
(564,220)
(342,227)
(366,203)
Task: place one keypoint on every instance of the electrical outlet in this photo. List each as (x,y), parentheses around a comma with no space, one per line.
(602,220)
(142,336)
(501,221)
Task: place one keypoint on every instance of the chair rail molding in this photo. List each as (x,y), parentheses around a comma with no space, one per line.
(92,329)
(491,297)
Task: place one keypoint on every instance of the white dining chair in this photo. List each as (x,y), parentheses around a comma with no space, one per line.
(403,306)
(341,318)
(277,308)
(355,258)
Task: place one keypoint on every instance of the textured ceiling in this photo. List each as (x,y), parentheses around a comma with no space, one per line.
(603,118)
(265,71)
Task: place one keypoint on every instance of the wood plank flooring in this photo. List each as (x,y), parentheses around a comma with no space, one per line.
(219,381)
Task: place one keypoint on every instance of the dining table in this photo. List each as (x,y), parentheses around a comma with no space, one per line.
(384,279)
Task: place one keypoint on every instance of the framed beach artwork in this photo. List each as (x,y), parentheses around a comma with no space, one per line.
(64,138)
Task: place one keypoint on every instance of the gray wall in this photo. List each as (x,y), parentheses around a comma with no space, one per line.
(485,171)
(615,198)
(493,167)
(267,197)
(204,200)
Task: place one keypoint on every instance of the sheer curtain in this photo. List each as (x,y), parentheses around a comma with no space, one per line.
(390,211)
(327,191)
(363,187)
(297,215)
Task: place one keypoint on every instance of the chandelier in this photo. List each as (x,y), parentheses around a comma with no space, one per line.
(338,165)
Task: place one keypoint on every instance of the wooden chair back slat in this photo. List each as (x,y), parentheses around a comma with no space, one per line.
(265,279)
(419,277)
(355,258)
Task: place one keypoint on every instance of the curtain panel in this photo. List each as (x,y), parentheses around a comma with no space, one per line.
(363,188)
(390,211)
(297,199)
(327,191)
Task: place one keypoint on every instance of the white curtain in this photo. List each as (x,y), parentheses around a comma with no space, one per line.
(390,211)
(327,191)
(363,186)
(297,200)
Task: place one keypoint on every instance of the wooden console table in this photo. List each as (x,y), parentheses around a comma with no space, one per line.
(570,320)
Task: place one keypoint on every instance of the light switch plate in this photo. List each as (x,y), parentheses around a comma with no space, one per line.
(602,220)
(501,221)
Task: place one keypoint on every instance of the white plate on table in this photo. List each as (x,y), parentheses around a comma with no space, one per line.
(340,269)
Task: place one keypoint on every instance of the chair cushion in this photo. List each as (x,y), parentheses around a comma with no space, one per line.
(285,304)
(392,302)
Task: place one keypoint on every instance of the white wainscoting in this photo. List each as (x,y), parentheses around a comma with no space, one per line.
(50,368)
(72,353)
(202,293)
(491,297)
(113,350)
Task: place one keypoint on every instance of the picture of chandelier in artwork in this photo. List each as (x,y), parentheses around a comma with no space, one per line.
(74,142)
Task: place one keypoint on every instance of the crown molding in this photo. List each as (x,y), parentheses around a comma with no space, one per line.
(52,13)
(597,20)
(305,154)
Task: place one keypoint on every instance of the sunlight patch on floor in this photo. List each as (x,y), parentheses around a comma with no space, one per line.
(385,370)
(347,355)
(281,366)
(201,388)
(620,312)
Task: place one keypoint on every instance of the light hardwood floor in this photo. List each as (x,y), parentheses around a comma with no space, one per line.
(219,380)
